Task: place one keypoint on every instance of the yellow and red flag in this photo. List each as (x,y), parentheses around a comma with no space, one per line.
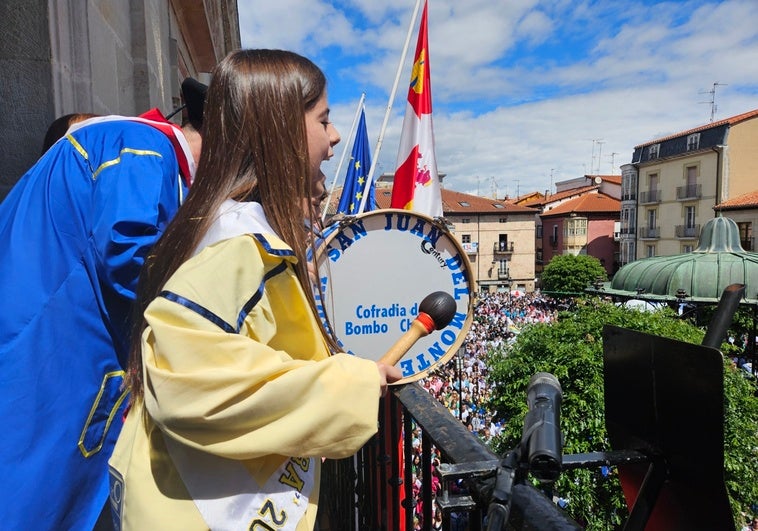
(416,185)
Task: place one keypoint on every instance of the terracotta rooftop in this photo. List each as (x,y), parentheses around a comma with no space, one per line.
(588,203)
(726,121)
(744,201)
(460,203)
(552,198)
(452,202)
(525,199)
(615,179)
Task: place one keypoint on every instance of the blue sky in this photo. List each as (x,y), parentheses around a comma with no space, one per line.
(526,93)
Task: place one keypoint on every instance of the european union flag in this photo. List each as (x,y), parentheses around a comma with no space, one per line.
(355,180)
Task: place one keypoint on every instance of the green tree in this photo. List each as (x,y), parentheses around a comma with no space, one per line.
(571,348)
(571,274)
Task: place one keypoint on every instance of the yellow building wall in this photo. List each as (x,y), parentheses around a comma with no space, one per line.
(485,229)
(742,159)
(670,212)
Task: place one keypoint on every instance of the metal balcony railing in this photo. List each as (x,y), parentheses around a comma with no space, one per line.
(650,196)
(503,273)
(375,490)
(684,231)
(690,191)
(650,232)
(502,248)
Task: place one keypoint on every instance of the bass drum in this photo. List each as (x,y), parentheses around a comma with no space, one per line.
(374,270)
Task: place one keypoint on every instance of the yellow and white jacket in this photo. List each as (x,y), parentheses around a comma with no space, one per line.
(242,399)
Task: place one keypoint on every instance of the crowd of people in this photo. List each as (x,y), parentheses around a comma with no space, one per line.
(461,385)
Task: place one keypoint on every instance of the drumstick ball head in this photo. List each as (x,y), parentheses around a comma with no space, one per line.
(440,306)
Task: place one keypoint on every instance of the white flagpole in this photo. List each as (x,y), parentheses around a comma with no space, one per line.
(348,145)
(370,177)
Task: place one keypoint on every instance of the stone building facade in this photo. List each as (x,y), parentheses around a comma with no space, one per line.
(99,56)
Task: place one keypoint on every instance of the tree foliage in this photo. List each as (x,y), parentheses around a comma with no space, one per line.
(571,349)
(571,274)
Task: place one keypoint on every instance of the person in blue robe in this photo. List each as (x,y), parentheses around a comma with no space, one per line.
(74,232)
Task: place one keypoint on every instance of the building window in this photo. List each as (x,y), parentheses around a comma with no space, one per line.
(689,217)
(503,220)
(691,189)
(466,220)
(686,249)
(652,194)
(502,269)
(653,151)
(628,221)
(575,227)
(650,251)
(746,235)
(627,251)
(464,203)
(538,231)
(693,142)
(653,181)
(629,186)
(465,238)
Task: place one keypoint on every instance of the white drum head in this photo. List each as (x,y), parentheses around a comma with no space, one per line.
(376,268)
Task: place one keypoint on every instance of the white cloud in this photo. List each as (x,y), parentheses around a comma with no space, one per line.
(501,111)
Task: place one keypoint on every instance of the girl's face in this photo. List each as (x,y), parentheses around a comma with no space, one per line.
(322,137)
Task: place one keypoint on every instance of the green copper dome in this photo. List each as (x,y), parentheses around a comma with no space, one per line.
(718,261)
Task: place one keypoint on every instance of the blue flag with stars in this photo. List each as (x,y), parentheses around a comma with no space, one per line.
(357,172)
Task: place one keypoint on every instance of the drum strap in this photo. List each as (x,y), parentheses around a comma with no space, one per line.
(229,498)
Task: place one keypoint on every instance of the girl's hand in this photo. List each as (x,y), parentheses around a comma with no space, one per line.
(388,374)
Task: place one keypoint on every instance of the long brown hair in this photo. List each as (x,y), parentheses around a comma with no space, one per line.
(254,148)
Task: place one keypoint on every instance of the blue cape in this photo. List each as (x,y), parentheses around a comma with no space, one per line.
(74,232)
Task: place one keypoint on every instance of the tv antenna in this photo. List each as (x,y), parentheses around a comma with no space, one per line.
(599,154)
(613,162)
(712,101)
(595,141)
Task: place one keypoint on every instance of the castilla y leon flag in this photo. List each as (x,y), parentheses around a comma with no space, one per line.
(416,185)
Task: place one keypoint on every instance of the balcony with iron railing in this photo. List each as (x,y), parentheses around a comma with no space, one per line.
(503,273)
(629,196)
(376,490)
(650,196)
(687,231)
(650,233)
(690,191)
(500,248)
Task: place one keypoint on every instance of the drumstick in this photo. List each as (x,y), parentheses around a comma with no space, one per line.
(435,311)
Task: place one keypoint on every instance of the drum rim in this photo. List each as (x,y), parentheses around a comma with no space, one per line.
(342,223)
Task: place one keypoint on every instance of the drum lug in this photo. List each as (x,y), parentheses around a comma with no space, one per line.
(443,224)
